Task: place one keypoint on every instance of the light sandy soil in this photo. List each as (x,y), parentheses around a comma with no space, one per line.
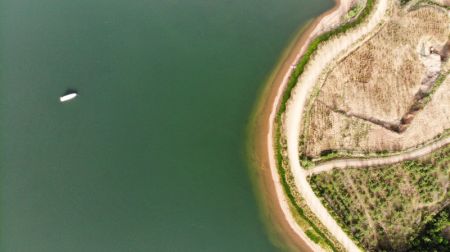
(443,2)
(293,117)
(379,81)
(358,136)
(361,163)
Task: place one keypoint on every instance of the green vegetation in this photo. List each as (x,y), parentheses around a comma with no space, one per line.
(314,237)
(320,237)
(403,2)
(353,11)
(384,208)
(432,237)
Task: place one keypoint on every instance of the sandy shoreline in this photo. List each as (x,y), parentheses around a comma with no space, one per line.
(276,205)
(273,197)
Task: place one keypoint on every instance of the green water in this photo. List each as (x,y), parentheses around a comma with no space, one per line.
(150,157)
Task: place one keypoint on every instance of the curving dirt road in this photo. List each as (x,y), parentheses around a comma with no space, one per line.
(329,19)
(296,105)
(359,163)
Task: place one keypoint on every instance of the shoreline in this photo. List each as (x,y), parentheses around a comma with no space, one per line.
(276,205)
(276,210)
(372,17)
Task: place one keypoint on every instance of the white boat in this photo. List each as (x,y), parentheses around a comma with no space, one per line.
(68,97)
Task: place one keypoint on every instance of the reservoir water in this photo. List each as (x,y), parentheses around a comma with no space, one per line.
(150,156)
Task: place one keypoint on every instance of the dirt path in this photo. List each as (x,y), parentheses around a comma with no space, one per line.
(360,163)
(296,105)
(277,212)
(264,156)
(267,119)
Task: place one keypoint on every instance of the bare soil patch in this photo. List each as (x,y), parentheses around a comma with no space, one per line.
(390,94)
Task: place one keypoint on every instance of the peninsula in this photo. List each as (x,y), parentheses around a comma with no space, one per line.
(352,133)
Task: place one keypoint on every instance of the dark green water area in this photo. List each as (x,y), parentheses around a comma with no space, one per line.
(151,155)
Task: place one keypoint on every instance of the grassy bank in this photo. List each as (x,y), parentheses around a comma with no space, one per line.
(316,235)
(432,237)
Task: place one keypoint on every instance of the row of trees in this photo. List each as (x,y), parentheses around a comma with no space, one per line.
(433,235)
(383,208)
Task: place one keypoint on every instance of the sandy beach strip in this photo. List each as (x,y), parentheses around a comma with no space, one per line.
(277,211)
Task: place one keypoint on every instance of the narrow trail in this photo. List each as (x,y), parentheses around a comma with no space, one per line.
(329,19)
(377,161)
(296,105)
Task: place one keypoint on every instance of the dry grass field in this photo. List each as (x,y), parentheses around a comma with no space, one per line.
(389,94)
(384,208)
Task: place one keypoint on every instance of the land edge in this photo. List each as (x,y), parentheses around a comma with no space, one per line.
(279,231)
(290,153)
(257,144)
(280,227)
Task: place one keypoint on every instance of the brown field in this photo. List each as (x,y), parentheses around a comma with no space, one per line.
(389,94)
